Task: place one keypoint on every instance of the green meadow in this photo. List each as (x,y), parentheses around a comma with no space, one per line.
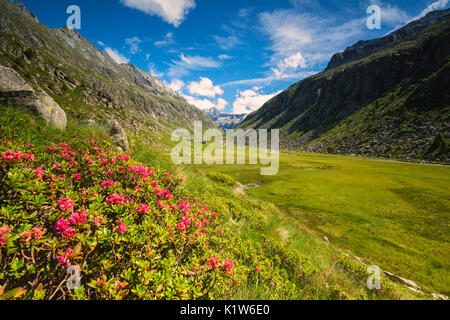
(391,214)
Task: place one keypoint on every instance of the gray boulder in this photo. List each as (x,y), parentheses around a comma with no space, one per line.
(117,134)
(14,90)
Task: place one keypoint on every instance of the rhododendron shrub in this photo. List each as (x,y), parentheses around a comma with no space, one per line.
(132,230)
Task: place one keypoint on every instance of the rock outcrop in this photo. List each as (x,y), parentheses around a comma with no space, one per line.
(15,91)
(117,134)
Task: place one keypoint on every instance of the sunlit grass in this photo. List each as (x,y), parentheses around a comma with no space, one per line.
(395,215)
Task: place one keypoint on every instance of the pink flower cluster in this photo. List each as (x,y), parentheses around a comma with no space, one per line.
(39,173)
(227,264)
(213,262)
(64,228)
(143,208)
(116,199)
(108,183)
(37,232)
(9,155)
(65,204)
(4,230)
(121,227)
(64,259)
(164,194)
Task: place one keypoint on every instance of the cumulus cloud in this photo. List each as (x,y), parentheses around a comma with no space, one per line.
(249,101)
(291,63)
(171,11)
(205,104)
(133,43)
(204,88)
(177,84)
(116,56)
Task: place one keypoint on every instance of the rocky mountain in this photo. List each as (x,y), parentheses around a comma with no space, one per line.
(385,97)
(84,81)
(225,121)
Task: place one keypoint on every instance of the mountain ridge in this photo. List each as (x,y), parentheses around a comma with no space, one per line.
(392,102)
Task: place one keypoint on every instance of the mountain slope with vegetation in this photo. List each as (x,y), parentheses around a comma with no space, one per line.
(138,232)
(85,81)
(386,97)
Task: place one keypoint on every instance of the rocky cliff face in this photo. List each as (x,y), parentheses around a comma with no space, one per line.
(379,98)
(15,91)
(365,48)
(85,81)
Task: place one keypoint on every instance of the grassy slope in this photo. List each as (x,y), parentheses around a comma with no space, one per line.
(392,214)
(258,234)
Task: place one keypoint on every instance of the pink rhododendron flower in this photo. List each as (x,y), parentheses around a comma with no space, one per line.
(228,265)
(77,218)
(213,262)
(77,176)
(27,235)
(98,221)
(63,227)
(121,227)
(38,232)
(108,183)
(66,204)
(116,199)
(182,227)
(64,259)
(39,172)
(143,208)
(97,149)
(64,145)
(4,230)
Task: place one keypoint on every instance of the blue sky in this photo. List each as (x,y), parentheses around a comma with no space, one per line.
(231,54)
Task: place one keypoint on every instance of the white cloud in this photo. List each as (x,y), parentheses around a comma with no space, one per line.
(168,39)
(204,104)
(101,43)
(250,100)
(116,56)
(291,63)
(224,57)
(177,84)
(393,15)
(154,71)
(314,37)
(440,4)
(182,66)
(204,88)
(227,43)
(133,43)
(171,11)
(272,77)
